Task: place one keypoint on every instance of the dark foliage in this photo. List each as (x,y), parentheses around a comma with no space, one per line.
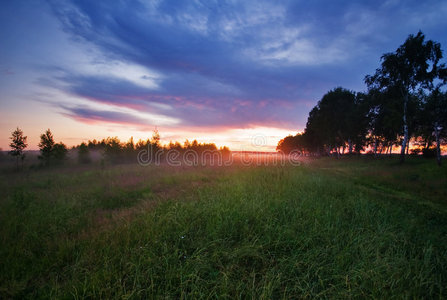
(404,101)
(18,144)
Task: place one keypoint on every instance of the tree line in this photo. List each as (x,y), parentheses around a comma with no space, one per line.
(111,149)
(50,151)
(404,101)
(116,151)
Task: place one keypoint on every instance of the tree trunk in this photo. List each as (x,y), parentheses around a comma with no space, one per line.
(408,147)
(350,146)
(404,142)
(375,147)
(438,145)
(391,149)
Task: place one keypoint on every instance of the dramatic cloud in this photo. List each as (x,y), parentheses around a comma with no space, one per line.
(232,64)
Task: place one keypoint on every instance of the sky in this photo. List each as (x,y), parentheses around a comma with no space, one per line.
(237,73)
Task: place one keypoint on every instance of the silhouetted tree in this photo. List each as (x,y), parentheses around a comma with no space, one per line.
(83,154)
(414,65)
(156,138)
(287,144)
(59,152)
(46,146)
(356,122)
(434,111)
(154,144)
(313,130)
(338,120)
(384,119)
(18,144)
(129,149)
(175,146)
(142,144)
(130,145)
(290,143)
(96,145)
(113,149)
(225,151)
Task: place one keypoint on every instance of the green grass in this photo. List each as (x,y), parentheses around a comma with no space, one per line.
(330,228)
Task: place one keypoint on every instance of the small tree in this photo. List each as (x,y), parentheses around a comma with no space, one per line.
(46,146)
(156,138)
(129,149)
(155,142)
(113,149)
(435,118)
(18,144)
(83,154)
(59,152)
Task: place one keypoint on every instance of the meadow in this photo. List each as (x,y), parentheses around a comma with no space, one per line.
(348,228)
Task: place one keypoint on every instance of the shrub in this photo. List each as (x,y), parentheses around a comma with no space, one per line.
(84,154)
(429,152)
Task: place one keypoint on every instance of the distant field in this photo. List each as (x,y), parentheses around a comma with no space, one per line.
(344,228)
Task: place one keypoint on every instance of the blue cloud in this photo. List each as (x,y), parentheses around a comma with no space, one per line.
(231,63)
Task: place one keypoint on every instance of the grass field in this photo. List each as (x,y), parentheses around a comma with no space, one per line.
(329,228)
